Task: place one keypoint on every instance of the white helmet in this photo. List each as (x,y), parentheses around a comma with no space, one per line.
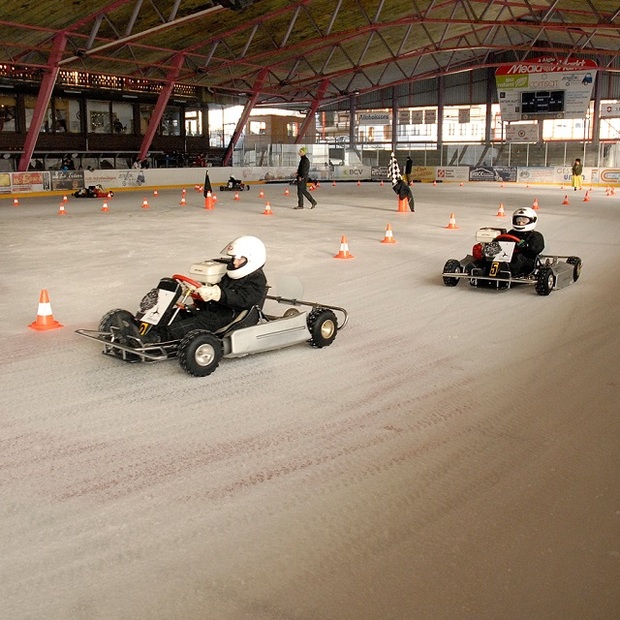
(250,248)
(524,219)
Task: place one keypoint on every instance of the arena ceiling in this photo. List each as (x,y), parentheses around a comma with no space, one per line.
(297,52)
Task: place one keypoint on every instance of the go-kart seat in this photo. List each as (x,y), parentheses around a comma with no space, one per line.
(245,318)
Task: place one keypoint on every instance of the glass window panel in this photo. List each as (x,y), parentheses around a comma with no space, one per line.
(98,115)
(8,106)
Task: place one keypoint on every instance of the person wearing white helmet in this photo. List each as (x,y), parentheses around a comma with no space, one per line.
(243,286)
(531,242)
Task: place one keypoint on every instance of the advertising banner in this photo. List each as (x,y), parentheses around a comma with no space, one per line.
(527,132)
(30,182)
(545,88)
(67,180)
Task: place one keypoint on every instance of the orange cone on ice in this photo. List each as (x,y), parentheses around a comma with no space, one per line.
(237,196)
(61,210)
(286,192)
(403,205)
(452,223)
(344,249)
(214,199)
(267,210)
(209,201)
(586,198)
(65,199)
(45,318)
(16,202)
(500,211)
(104,208)
(155,193)
(389,237)
(565,201)
(535,205)
(359,183)
(183,202)
(261,194)
(434,183)
(334,183)
(145,204)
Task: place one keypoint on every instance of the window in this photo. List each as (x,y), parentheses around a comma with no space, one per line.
(171,122)
(122,118)
(98,115)
(146,111)
(258,128)
(8,107)
(193,122)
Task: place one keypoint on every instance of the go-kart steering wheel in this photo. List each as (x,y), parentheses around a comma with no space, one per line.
(193,283)
(507,237)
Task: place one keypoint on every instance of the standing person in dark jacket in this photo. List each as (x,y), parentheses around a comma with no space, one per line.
(408,169)
(577,172)
(531,243)
(303,173)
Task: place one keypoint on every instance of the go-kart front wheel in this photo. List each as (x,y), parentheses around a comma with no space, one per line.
(545,281)
(323,327)
(119,324)
(199,353)
(575,261)
(451,266)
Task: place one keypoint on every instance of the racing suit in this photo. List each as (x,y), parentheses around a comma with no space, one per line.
(237,295)
(524,258)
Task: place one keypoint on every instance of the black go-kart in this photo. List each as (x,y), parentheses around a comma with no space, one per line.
(488,265)
(234,185)
(200,351)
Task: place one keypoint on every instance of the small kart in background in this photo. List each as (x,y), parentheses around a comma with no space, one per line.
(93,191)
(199,352)
(488,265)
(234,185)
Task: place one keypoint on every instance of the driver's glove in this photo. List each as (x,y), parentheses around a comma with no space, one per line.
(210,292)
(522,243)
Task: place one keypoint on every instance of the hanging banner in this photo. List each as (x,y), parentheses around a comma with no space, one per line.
(544,89)
(527,132)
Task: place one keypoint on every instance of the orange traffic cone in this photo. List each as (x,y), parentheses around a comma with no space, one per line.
(403,205)
(61,210)
(183,192)
(452,223)
(261,194)
(461,184)
(334,183)
(145,204)
(434,183)
(267,210)
(359,183)
(209,201)
(183,202)
(237,196)
(389,237)
(214,199)
(155,192)
(382,184)
(16,202)
(286,192)
(45,318)
(500,211)
(65,199)
(613,191)
(109,196)
(535,205)
(104,208)
(344,249)
(565,201)
(586,198)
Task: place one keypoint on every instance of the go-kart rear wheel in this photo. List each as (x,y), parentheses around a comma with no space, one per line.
(545,281)
(576,262)
(200,353)
(323,327)
(452,266)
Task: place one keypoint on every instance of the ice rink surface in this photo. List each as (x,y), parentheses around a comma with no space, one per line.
(453,455)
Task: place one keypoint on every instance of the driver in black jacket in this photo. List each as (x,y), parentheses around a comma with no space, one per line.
(531,243)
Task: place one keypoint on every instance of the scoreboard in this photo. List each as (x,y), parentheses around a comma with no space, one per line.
(544,88)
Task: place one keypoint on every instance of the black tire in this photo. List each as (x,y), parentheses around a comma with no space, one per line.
(323,327)
(247,188)
(200,353)
(452,266)
(115,323)
(576,262)
(545,281)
